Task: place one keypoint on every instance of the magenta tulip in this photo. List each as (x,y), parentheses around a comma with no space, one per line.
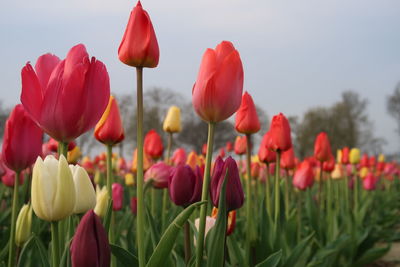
(159,173)
(117,196)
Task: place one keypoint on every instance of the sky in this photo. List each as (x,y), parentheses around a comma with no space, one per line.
(296,54)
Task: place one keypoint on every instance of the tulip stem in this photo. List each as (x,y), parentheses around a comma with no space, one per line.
(356,189)
(268,191)
(277,189)
(204,196)
(55,253)
(63,149)
(169,146)
(109,192)
(11,248)
(165,191)
(139,177)
(188,253)
(248,198)
(287,202)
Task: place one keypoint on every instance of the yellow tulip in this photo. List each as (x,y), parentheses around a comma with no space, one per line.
(363,172)
(339,156)
(192,160)
(74,155)
(354,156)
(172,122)
(24,224)
(129,179)
(85,195)
(101,201)
(381,158)
(53,189)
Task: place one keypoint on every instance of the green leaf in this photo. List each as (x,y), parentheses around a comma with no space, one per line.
(33,244)
(297,252)
(216,237)
(66,256)
(123,256)
(155,235)
(167,241)
(272,261)
(107,217)
(235,252)
(371,255)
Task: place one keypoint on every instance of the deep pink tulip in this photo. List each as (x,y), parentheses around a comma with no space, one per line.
(8,179)
(22,141)
(304,176)
(89,245)
(217,93)
(52,145)
(370,181)
(234,191)
(117,196)
(185,185)
(179,156)
(159,173)
(66,98)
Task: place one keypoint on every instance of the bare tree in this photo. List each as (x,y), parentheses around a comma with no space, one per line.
(393,106)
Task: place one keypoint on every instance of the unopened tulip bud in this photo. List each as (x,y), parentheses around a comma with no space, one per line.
(240,145)
(129,179)
(101,201)
(354,156)
(304,176)
(369,182)
(85,194)
(192,160)
(159,173)
(153,145)
(279,131)
(24,224)
(247,121)
(185,185)
(339,156)
(345,155)
(172,122)
(381,158)
(210,222)
(117,196)
(179,156)
(322,147)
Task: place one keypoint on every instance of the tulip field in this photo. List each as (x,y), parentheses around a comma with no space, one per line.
(249,204)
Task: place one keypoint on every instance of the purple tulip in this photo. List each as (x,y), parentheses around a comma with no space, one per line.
(185,185)
(234,190)
(90,243)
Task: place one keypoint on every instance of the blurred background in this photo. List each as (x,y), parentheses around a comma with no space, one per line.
(329,65)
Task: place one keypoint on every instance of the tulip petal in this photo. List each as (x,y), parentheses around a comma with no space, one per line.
(64,201)
(44,67)
(85,194)
(32,93)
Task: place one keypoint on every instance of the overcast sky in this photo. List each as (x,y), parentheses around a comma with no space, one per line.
(296,54)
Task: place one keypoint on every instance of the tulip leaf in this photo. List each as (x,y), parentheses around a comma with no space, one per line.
(216,237)
(167,241)
(235,252)
(36,244)
(155,235)
(107,217)
(370,256)
(66,256)
(298,251)
(272,260)
(123,256)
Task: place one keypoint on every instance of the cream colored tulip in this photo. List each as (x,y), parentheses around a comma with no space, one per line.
(24,225)
(339,154)
(85,194)
(101,201)
(53,189)
(172,122)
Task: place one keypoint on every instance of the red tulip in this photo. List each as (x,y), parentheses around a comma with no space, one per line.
(288,159)
(159,173)
(240,145)
(153,145)
(372,161)
(255,170)
(229,147)
(279,134)
(264,154)
(329,165)
(204,149)
(222,152)
(52,145)
(369,182)
(185,185)
(109,130)
(304,176)
(234,191)
(22,141)
(322,147)
(345,155)
(66,98)
(217,93)
(179,156)
(364,160)
(89,245)
(134,205)
(117,196)
(139,46)
(8,179)
(246,117)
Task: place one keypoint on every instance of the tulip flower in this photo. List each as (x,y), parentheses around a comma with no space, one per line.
(337,172)
(264,154)
(210,222)
(185,185)
(304,176)
(345,155)
(381,158)
(159,173)
(146,161)
(240,145)
(354,156)
(234,190)
(246,117)
(74,155)
(139,46)
(8,179)
(255,170)
(339,156)
(22,141)
(364,172)
(109,130)
(222,153)
(85,194)
(369,182)
(192,160)
(117,196)
(52,145)
(134,205)
(66,98)
(129,179)
(217,93)
(364,162)
(153,145)
(287,160)
(179,156)
(89,245)
(172,122)
(24,224)
(229,147)
(101,201)
(231,220)
(279,132)
(322,147)
(204,149)
(53,190)
(329,165)
(372,162)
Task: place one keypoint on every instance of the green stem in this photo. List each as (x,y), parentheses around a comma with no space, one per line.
(63,149)
(287,195)
(109,192)
(55,253)
(204,196)
(169,147)
(268,191)
(320,188)
(165,191)
(153,201)
(188,253)
(248,199)
(356,189)
(139,188)
(11,248)
(277,190)
(329,208)
(299,211)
